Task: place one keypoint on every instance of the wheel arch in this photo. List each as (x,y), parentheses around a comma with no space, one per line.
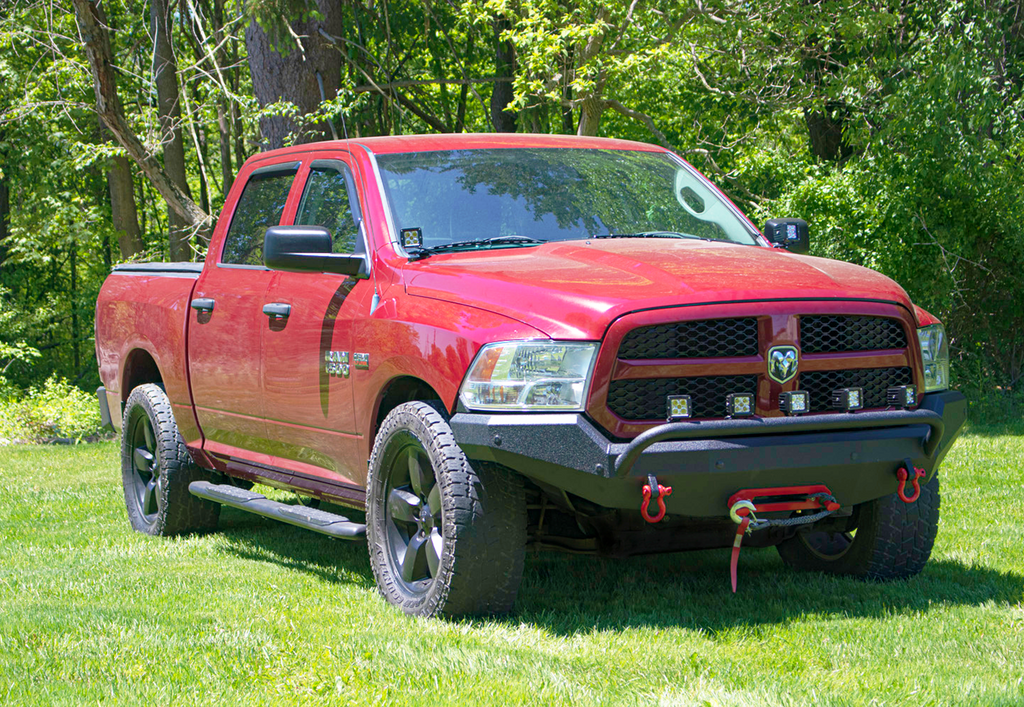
(139,367)
(398,390)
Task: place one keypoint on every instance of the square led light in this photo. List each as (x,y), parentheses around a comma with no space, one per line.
(795,402)
(679,407)
(848,398)
(903,396)
(739,404)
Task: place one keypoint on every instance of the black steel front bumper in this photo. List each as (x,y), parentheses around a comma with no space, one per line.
(855,454)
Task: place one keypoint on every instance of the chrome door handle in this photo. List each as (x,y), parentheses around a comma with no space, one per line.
(277,309)
(202,305)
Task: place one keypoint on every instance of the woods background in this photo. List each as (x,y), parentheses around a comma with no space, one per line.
(893,127)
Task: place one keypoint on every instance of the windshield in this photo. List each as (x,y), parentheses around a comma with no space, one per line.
(553,194)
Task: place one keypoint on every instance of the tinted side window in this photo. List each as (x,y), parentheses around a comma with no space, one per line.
(326,203)
(259,208)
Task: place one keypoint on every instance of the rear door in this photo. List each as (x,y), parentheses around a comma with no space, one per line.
(307,359)
(226,326)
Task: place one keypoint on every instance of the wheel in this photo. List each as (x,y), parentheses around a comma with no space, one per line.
(892,540)
(446,537)
(156,469)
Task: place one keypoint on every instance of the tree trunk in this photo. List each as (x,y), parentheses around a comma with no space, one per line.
(165,75)
(123,211)
(292,77)
(825,131)
(590,116)
(75,328)
(503,119)
(96,40)
(5,217)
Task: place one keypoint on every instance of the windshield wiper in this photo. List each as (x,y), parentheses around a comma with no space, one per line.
(651,234)
(420,253)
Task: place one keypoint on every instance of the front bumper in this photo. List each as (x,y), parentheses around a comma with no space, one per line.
(855,454)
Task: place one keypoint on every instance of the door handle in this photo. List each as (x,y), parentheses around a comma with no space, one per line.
(202,305)
(277,309)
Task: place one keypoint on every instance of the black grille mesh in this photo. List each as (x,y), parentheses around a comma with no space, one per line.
(874,381)
(699,339)
(833,334)
(646,399)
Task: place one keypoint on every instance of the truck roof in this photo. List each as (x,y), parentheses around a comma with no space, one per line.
(464,141)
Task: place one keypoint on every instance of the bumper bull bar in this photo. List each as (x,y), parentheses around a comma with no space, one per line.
(854,454)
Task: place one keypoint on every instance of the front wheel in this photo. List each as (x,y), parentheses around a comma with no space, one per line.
(446,537)
(892,540)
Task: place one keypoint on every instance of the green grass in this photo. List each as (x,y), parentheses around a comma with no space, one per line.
(264,614)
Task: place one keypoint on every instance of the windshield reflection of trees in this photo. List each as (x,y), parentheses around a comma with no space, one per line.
(547,194)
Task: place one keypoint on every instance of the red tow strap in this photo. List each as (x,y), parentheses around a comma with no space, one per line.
(734,564)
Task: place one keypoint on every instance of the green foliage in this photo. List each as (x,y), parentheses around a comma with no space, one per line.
(894,128)
(55,411)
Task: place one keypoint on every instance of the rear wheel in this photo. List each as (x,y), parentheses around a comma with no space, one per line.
(156,469)
(446,537)
(892,540)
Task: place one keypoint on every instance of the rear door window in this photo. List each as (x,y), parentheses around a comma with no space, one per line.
(260,207)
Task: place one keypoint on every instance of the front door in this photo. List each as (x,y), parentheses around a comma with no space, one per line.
(307,359)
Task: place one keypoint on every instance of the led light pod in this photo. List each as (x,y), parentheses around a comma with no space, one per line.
(903,396)
(529,375)
(739,404)
(680,407)
(795,402)
(848,398)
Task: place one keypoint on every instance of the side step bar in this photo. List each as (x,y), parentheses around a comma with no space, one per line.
(309,518)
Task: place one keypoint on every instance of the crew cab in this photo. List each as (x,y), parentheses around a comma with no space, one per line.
(490,342)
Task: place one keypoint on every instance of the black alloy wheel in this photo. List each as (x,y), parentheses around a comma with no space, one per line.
(446,534)
(145,465)
(415,530)
(156,469)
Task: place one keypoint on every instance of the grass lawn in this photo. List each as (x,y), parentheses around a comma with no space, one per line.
(264,614)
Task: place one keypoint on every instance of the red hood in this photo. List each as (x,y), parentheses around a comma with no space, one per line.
(574,290)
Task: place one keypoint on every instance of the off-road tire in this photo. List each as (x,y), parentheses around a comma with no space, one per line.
(482,517)
(893,540)
(168,508)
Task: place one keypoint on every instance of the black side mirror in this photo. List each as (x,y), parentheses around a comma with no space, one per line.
(789,233)
(308,249)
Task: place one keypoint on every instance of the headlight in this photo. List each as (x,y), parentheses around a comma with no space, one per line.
(935,352)
(529,375)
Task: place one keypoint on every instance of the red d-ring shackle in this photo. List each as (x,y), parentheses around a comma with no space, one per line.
(653,488)
(902,474)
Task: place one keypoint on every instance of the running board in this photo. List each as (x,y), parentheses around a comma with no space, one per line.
(309,518)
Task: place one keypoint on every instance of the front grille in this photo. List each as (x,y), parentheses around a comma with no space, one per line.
(874,381)
(836,334)
(705,338)
(646,399)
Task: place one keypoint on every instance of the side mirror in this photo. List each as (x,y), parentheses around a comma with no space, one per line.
(308,249)
(789,233)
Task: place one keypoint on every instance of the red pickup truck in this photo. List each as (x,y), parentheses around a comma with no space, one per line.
(493,342)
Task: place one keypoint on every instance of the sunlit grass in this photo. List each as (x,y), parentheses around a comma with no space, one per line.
(265,614)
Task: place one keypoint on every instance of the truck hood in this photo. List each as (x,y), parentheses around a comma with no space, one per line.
(575,289)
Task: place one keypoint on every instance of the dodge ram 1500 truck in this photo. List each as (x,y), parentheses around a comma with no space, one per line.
(490,342)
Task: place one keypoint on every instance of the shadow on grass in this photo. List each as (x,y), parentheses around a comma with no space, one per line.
(252,537)
(568,594)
